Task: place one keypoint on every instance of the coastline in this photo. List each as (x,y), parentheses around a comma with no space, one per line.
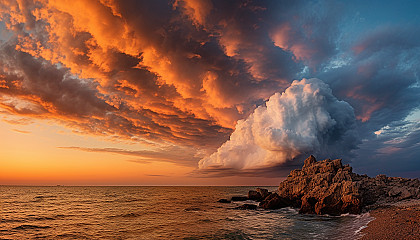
(400,220)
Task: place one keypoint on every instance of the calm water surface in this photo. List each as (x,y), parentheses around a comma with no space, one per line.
(156,213)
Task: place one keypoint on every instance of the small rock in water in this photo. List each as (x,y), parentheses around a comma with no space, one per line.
(247,206)
(239,198)
(223,200)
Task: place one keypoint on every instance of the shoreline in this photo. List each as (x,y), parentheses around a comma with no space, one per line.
(399,220)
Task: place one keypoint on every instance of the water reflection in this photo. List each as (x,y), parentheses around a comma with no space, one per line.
(153,213)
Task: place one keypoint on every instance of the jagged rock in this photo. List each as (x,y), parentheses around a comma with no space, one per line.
(223,200)
(328,187)
(239,198)
(311,159)
(247,206)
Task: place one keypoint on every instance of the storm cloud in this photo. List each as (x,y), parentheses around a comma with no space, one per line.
(305,119)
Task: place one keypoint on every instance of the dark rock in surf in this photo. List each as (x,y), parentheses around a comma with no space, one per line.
(223,200)
(247,207)
(238,198)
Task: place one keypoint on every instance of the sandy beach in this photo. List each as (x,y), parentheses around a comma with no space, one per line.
(396,221)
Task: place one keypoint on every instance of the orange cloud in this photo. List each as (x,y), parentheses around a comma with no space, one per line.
(103,69)
(284,37)
(197,10)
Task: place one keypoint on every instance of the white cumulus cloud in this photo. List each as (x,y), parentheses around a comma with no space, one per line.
(305,119)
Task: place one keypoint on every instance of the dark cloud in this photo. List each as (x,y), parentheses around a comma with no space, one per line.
(394,151)
(381,82)
(272,171)
(381,79)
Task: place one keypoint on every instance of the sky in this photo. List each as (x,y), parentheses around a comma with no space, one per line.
(205,92)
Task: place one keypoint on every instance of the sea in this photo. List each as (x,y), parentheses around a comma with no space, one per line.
(164,212)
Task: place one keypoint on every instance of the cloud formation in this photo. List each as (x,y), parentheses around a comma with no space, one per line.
(173,154)
(184,72)
(306,118)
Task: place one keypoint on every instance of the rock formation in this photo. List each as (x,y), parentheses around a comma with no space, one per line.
(328,187)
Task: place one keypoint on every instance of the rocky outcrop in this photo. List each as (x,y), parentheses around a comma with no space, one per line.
(328,187)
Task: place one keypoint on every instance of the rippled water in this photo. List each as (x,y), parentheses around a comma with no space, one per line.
(156,213)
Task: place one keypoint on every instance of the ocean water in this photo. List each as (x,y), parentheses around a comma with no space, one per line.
(156,213)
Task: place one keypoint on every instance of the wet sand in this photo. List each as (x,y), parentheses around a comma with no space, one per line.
(397,221)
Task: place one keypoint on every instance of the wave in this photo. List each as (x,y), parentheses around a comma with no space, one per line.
(28,226)
(355,227)
(43,218)
(192,209)
(42,198)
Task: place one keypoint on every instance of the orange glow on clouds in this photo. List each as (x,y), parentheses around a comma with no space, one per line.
(101,90)
(284,37)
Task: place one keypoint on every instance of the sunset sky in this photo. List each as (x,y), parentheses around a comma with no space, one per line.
(204,92)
